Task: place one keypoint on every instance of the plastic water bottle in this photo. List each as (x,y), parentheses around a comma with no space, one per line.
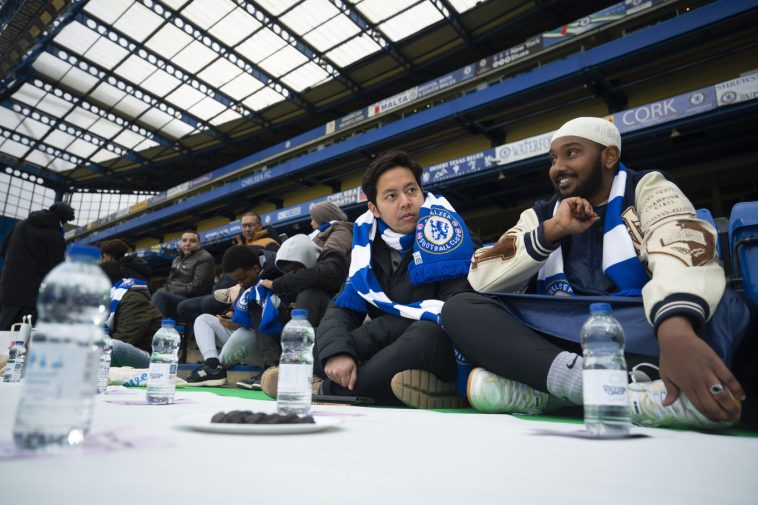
(161,382)
(604,375)
(105,365)
(296,365)
(55,408)
(15,365)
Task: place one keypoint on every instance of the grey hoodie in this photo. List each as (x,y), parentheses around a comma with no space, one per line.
(299,248)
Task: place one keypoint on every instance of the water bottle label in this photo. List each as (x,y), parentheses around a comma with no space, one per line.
(295,379)
(161,375)
(605,387)
(59,371)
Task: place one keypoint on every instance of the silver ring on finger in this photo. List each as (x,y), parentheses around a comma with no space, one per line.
(716,389)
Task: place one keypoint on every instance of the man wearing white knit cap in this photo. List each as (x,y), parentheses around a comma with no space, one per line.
(608,231)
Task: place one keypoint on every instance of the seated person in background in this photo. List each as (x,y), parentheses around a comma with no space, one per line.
(410,253)
(191,275)
(607,231)
(133,319)
(331,229)
(238,332)
(254,234)
(311,278)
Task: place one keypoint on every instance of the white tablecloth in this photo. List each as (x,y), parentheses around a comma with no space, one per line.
(382,456)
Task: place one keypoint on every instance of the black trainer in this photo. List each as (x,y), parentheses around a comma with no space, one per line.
(253,383)
(207,376)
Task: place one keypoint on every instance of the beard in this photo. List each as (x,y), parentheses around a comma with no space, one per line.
(589,187)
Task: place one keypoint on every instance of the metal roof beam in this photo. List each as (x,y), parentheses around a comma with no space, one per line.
(44,83)
(71,129)
(274,24)
(374,32)
(218,47)
(53,151)
(133,90)
(452,15)
(143,52)
(55,180)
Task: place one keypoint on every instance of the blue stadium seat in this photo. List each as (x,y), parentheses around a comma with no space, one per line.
(706,215)
(743,242)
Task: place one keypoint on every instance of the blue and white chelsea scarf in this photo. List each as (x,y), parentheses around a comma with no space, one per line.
(620,261)
(119,289)
(442,250)
(269,303)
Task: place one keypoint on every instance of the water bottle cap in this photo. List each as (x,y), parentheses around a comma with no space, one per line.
(168,322)
(82,250)
(21,342)
(299,313)
(600,307)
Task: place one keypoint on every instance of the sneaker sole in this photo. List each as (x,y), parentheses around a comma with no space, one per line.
(249,387)
(423,390)
(209,383)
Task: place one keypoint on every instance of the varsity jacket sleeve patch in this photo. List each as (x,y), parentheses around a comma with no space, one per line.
(679,251)
(517,256)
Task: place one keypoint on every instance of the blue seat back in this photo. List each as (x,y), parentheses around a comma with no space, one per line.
(706,215)
(743,242)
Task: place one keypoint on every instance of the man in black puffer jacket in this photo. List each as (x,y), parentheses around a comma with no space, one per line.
(32,248)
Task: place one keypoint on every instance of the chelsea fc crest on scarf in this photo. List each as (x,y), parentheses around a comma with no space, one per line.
(438,232)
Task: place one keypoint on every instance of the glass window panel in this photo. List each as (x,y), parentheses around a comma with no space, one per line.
(308,15)
(39,158)
(262,44)
(411,21)
(155,118)
(12,201)
(76,37)
(138,22)
(464,5)
(168,41)
(106,53)
(105,93)
(353,50)
(29,94)
(32,128)
(177,129)
(244,85)
(305,76)
(15,149)
(236,26)
(332,33)
(207,109)
(82,118)
(82,148)
(79,80)
(10,119)
(185,97)
(103,155)
(131,106)
(128,139)
(146,144)
(225,117)
(160,83)
(379,10)
(54,105)
(49,65)
(276,7)
(59,139)
(59,165)
(105,128)
(135,69)
(194,57)
(206,13)
(107,10)
(263,99)
(220,72)
(283,61)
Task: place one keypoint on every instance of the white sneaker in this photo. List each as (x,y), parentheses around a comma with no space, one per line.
(646,408)
(488,392)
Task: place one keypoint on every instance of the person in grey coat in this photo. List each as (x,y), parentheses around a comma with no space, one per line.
(191,275)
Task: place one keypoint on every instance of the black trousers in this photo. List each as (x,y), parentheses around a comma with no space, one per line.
(388,345)
(188,310)
(12,314)
(490,337)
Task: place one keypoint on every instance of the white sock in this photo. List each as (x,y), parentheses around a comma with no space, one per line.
(564,379)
